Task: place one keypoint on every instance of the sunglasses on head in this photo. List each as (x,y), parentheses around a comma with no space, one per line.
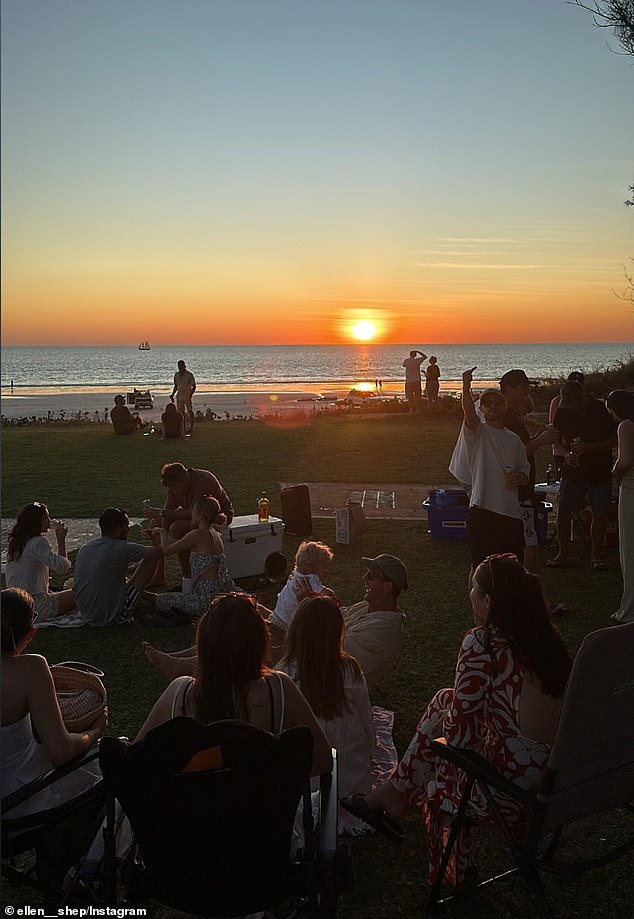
(494,558)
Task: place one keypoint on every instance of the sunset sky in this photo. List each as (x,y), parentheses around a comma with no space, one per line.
(275,171)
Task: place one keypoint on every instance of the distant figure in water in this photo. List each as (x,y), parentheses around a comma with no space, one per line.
(123,421)
(11,385)
(184,389)
(173,422)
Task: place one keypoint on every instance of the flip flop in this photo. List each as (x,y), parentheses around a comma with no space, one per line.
(379,820)
(556,563)
(599,566)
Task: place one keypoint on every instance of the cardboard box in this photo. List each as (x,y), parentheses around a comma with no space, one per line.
(350,523)
(248,544)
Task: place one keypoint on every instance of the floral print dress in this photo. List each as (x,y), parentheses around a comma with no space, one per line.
(481,713)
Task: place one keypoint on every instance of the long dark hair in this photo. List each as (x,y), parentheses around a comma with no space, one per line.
(520,613)
(17,617)
(314,644)
(232,640)
(28,524)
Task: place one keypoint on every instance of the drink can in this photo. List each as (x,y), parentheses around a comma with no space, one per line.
(146,503)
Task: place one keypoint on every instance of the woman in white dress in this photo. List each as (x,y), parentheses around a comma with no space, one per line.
(30,558)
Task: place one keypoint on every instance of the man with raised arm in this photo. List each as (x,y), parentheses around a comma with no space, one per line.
(491,462)
(413,387)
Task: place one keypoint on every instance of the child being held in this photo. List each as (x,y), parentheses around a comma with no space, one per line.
(312,562)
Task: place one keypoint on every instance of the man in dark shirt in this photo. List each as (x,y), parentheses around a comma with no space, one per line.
(589,433)
(514,386)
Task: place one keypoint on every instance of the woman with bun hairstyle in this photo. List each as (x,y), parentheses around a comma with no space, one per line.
(209,573)
(620,405)
(30,557)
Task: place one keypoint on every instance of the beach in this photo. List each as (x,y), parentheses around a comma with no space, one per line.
(250,403)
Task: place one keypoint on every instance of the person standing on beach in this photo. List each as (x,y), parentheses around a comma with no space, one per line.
(432,385)
(184,389)
(413,388)
(491,461)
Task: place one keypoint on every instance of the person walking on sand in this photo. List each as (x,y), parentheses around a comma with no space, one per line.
(184,389)
(413,388)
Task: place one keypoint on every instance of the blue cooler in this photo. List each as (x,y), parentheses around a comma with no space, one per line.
(447,510)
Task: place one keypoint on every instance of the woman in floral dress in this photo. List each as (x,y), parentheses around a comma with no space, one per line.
(511,673)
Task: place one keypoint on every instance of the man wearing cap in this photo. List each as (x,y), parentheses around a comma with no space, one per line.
(589,434)
(491,463)
(514,386)
(374,625)
(559,448)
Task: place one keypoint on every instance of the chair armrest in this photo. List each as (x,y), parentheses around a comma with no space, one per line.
(328,813)
(49,778)
(477,767)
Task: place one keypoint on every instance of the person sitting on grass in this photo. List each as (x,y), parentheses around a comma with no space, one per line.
(30,707)
(373,626)
(511,674)
(173,422)
(233,681)
(209,573)
(105,596)
(333,684)
(123,421)
(312,562)
(30,558)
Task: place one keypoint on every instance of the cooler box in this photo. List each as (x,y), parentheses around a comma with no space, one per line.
(447,511)
(249,543)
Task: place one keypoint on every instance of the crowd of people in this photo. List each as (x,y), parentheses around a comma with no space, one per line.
(311,661)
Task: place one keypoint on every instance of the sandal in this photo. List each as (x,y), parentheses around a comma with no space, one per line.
(599,566)
(378,820)
(557,563)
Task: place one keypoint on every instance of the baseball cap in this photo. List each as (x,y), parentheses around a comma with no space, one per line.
(514,378)
(390,567)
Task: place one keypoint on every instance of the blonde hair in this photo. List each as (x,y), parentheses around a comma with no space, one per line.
(311,555)
(210,510)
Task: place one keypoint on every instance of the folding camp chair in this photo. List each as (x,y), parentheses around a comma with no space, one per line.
(590,769)
(24,838)
(212,809)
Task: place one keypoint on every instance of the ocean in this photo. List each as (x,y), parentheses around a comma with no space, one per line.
(255,367)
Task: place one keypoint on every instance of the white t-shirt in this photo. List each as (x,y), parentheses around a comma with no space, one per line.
(31,570)
(287,601)
(412,368)
(480,461)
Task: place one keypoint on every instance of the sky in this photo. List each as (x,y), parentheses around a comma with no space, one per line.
(277,171)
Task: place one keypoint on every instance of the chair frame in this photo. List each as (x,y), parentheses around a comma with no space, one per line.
(562,797)
(20,834)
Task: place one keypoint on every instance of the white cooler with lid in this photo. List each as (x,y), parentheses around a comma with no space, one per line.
(248,544)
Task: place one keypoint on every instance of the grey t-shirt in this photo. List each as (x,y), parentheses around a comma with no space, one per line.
(99,581)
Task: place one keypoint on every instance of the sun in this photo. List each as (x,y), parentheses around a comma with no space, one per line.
(364,330)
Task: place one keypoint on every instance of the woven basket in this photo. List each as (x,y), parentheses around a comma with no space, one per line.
(80,693)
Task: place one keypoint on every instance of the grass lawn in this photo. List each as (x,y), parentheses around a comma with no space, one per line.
(80,471)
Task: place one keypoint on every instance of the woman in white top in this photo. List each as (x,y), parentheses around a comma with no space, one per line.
(30,557)
(232,680)
(29,704)
(620,404)
(334,686)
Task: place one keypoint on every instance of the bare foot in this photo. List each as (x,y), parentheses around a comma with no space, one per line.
(168,666)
